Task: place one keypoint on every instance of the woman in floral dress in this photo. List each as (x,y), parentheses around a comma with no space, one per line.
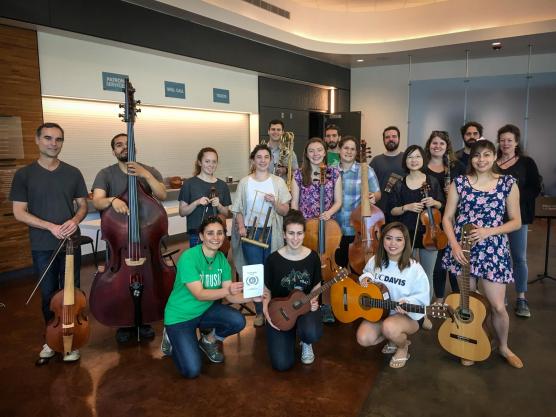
(481,198)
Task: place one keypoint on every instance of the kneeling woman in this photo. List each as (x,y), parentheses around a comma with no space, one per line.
(293,266)
(406,281)
(203,277)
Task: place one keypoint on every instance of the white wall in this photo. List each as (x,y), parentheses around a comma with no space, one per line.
(382,95)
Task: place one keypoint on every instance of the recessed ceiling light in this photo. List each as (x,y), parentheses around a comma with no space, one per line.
(360,60)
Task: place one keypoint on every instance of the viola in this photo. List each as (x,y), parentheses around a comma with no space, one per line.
(137,282)
(434,237)
(367,220)
(226,244)
(69,329)
(323,236)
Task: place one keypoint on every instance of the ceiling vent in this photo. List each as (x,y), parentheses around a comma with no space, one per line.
(269,8)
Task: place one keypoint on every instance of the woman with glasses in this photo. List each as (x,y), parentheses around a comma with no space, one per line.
(407,201)
(444,166)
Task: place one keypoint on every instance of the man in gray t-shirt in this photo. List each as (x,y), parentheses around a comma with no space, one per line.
(44,195)
(277,167)
(388,163)
(111,182)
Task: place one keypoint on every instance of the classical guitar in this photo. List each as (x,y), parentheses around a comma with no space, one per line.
(351,301)
(284,311)
(465,334)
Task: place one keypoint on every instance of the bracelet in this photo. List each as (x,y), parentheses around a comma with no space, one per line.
(112,201)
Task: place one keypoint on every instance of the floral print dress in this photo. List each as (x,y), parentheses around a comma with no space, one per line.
(309,196)
(490,259)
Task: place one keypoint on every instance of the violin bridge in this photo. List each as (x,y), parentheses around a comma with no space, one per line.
(135,262)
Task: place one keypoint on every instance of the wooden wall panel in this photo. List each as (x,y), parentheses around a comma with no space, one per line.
(21,97)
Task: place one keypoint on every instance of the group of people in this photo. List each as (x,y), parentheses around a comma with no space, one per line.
(494,189)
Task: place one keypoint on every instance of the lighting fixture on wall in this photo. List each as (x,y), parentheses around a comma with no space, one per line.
(332,97)
(496,46)
(360,60)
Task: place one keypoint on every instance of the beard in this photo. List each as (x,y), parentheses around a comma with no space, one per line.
(122,157)
(469,142)
(391,146)
(332,145)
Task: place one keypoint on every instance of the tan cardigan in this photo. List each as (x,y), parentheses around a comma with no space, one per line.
(282,195)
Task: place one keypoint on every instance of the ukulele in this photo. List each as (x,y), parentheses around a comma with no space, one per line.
(434,237)
(465,335)
(284,311)
(350,301)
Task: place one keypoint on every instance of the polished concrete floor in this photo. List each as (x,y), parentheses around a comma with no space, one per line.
(345,380)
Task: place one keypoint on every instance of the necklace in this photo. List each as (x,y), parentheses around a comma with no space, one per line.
(507,160)
(209,264)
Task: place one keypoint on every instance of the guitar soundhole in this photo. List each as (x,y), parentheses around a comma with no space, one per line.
(465,315)
(364,302)
(297,305)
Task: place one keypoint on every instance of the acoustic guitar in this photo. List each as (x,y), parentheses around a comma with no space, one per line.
(284,311)
(351,301)
(465,335)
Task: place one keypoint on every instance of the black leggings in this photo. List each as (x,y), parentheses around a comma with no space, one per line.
(439,277)
(342,253)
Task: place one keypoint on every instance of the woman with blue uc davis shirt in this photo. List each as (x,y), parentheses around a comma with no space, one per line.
(203,276)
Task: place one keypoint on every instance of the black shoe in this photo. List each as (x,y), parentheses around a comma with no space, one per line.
(146,331)
(123,334)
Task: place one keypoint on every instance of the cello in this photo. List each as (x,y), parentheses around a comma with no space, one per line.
(434,237)
(137,282)
(367,220)
(323,236)
(69,329)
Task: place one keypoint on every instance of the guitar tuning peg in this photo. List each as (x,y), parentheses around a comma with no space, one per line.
(138,111)
(121,115)
(138,102)
(121,106)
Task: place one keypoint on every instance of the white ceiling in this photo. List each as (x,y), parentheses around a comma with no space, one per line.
(381,32)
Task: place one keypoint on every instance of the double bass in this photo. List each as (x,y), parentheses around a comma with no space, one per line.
(367,220)
(137,282)
(323,236)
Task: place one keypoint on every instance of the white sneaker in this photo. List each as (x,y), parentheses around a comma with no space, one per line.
(307,355)
(46,352)
(73,356)
(165,345)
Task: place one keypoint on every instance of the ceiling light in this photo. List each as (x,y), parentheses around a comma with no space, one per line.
(360,60)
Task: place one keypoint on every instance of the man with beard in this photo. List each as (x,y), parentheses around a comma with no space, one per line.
(332,138)
(388,163)
(471,132)
(49,196)
(275,132)
(109,183)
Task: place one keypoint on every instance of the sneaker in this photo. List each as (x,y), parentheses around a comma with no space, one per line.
(146,331)
(46,352)
(307,355)
(259,320)
(327,316)
(212,350)
(123,334)
(73,356)
(165,345)
(522,308)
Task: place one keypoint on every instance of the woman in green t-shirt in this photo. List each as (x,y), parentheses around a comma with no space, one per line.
(203,276)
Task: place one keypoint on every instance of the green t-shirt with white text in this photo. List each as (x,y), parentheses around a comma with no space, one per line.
(192,266)
(332,159)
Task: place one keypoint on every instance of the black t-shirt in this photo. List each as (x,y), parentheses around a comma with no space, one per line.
(49,196)
(281,275)
(195,188)
(402,195)
(456,169)
(114,181)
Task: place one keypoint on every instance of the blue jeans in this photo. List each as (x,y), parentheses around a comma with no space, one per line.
(518,248)
(281,345)
(254,254)
(225,321)
(193,239)
(54,279)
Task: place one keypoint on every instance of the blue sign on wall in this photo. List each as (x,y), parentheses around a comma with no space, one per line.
(172,89)
(113,82)
(220,96)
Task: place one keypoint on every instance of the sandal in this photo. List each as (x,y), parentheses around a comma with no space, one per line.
(399,362)
(389,348)
(467,362)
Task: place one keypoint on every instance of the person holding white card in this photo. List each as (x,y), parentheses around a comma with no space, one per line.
(406,281)
(203,276)
(293,266)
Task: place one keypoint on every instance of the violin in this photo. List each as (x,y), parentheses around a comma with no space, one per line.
(367,220)
(137,282)
(434,237)
(69,329)
(323,236)
(226,244)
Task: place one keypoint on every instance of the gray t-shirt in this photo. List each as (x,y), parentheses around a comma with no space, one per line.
(114,181)
(49,196)
(384,166)
(195,188)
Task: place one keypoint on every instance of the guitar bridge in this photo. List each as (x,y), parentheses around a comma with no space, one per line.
(284,314)
(463,338)
(345,300)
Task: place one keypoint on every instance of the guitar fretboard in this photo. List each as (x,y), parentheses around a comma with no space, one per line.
(391,305)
